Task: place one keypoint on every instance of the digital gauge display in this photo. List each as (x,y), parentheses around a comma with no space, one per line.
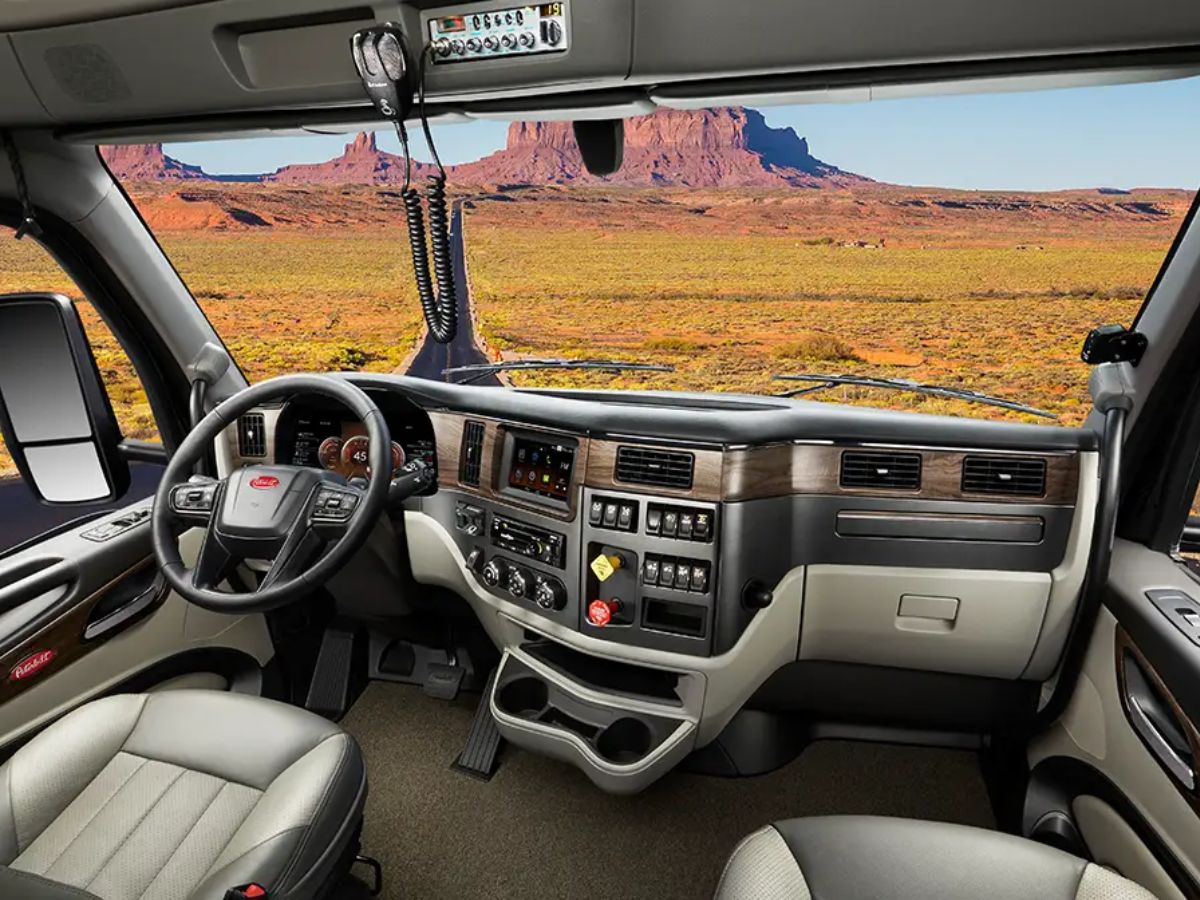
(342,446)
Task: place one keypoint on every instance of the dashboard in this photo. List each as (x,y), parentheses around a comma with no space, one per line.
(671,557)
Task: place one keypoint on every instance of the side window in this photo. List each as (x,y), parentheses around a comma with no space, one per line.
(26,266)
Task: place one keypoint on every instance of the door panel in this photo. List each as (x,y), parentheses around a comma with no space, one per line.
(85,610)
(1133,708)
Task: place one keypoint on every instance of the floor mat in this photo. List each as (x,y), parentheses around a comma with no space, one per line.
(540,829)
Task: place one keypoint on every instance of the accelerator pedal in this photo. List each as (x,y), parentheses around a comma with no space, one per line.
(479,757)
(443,681)
(338,676)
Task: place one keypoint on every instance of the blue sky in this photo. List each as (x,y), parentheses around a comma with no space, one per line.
(1124,136)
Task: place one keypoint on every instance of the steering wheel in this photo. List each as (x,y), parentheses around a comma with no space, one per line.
(286,514)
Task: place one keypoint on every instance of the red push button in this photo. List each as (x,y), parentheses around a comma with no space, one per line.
(600,612)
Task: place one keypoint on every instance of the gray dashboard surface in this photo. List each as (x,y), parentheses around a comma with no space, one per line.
(734,420)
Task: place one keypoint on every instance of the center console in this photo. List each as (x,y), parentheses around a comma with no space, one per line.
(626,567)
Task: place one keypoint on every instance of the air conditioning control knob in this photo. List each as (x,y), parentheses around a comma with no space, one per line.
(518,584)
(492,574)
(550,595)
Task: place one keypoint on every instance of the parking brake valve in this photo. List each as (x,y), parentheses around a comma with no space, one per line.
(601,612)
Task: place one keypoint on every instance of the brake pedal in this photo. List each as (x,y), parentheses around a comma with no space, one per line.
(479,757)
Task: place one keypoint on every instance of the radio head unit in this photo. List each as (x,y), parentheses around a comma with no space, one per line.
(538,466)
(529,541)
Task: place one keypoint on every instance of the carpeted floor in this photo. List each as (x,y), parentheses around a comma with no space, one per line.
(539,829)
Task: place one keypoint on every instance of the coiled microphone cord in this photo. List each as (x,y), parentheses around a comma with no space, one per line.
(440,308)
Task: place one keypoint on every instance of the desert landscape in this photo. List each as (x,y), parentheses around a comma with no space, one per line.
(723,247)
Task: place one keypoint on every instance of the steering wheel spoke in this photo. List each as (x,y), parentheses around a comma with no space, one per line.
(214,562)
(303,546)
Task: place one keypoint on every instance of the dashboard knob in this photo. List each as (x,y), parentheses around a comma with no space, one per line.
(492,574)
(518,584)
(490,42)
(601,612)
(550,595)
(473,45)
(508,41)
(527,40)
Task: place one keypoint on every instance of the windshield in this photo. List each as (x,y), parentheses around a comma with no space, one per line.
(961,242)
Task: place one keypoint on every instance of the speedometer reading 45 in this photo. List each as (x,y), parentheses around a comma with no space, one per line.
(356,456)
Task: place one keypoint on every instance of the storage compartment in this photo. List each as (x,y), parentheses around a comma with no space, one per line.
(606,674)
(942,620)
(547,715)
(674,616)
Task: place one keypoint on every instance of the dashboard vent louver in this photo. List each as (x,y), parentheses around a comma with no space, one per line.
(659,468)
(252,435)
(1020,476)
(471,465)
(881,471)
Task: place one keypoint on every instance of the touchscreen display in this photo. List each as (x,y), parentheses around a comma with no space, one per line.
(542,468)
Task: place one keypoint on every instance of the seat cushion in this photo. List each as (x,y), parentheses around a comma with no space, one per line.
(182,794)
(869,857)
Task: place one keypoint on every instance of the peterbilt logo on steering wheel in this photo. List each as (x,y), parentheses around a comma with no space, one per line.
(264,482)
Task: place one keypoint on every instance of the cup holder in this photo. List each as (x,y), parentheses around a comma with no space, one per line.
(624,741)
(524,697)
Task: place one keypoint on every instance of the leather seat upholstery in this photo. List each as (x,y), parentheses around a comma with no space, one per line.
(179,795)
(868,857)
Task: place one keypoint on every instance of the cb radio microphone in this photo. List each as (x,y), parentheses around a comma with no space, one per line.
(385,70)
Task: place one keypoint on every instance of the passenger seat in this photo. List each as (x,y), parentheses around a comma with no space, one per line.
(872,858)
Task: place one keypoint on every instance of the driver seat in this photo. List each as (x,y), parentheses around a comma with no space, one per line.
(180,795)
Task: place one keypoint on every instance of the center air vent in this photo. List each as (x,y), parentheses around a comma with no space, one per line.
(1018,476)
(471,464)
(252,435)
(660,468)
(881,471)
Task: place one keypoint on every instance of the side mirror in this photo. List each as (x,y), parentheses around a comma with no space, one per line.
(55,415)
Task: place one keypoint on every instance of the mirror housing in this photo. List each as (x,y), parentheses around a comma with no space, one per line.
(55,414)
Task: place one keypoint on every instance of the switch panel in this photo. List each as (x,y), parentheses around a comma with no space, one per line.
(682,523)
(613,514)
(691,575)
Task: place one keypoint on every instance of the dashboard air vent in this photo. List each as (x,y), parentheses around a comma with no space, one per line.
(471,462)
(1019,476)
(252,435)
(660,468)
(881,471)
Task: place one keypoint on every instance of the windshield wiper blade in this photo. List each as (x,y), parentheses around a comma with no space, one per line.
(823,382)
(482,370)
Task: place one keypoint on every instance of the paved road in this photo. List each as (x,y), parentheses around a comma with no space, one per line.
(433,357)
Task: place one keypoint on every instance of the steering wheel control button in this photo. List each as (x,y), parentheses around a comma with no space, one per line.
(334,505)
(600,613)
(190,498)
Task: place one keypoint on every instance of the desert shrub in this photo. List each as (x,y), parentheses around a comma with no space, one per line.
(674,344)
(351,357)
(817,345)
